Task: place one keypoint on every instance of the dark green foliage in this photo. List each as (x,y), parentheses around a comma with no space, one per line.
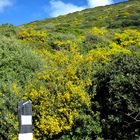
(118,97)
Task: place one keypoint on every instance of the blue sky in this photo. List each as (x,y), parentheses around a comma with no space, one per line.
(23,11)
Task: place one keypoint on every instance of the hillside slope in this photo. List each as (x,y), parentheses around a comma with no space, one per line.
(121,15)
(81,71)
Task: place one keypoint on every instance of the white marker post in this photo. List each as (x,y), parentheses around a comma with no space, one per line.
(25,120)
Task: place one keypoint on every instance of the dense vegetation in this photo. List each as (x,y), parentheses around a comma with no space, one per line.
(81,71)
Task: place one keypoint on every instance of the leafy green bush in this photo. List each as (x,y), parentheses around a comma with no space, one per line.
(17,67)
(7,30)
(86,127)
(93,42)
(117,97)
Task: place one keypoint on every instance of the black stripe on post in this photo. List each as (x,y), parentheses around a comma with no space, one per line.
(26,129)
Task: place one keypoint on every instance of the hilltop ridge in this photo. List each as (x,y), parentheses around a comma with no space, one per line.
(119,15)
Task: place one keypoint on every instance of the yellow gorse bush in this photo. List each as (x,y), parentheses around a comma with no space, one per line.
(104,54)
(59,91)
(15,89)
(128,37)
(98,31)
(32,36)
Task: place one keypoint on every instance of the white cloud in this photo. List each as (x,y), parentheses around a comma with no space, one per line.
(4,4)
(58,7)
(95,3)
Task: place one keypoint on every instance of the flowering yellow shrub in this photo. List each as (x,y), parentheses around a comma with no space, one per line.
(15,89)
(32,36)
(104,54)
(59,92)
(60,45)
(98,31)
(128,37)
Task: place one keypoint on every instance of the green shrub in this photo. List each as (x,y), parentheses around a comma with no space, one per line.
(86,127)
(117,97)
(7,30)
(93,42)
(17,67)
